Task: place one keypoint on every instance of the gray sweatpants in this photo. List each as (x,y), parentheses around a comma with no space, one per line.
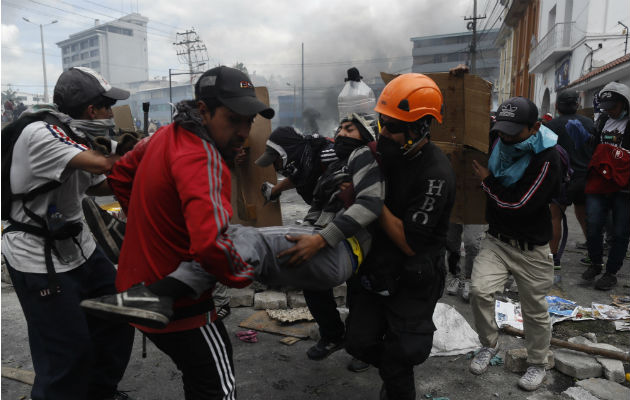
(330,267)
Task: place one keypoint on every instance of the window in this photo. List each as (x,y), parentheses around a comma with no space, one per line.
(114,29)
(95,64)
(93,41)
(437,58)
(84,44)
(66,60)
(66,49)
(127,32)
(86,65)
(75,57)
(94,53)
(85,55)
(75,47)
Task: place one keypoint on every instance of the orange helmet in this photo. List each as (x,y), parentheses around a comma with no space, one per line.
(410,97)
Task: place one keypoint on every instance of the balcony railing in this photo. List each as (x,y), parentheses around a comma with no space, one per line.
(554,45)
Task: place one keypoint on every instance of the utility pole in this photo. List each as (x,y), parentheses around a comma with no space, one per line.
(302,79)
(41,34)
(473,44)
(191,51)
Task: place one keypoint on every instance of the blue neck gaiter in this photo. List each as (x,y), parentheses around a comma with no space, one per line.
(508,163)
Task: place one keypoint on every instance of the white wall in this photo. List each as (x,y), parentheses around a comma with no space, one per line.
(595,22)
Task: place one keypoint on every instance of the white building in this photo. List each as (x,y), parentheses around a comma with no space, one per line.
(116,49)
(576,37)
(28,99)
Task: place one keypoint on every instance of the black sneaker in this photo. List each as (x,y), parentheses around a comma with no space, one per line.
(356,365)
(592,271)
(323,349)
(606,282)
(108,230)
(137,305)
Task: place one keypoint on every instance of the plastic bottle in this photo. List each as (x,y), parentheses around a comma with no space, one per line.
(356,96)
(67,249)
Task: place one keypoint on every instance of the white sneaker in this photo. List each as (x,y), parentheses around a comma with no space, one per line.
(480,362)
(453,287)
(533,378)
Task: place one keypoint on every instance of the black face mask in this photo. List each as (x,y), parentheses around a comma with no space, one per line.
(345,145)
(389,149)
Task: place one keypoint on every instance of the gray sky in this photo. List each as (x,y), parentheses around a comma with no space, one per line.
(265,35)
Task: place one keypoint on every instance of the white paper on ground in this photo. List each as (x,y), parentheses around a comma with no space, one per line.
(453,335)
(508,314)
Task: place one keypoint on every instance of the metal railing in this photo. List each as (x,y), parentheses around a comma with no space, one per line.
(558,37)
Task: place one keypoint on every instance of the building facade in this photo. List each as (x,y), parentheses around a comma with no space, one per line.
(116,49)
(575,38)
(439,53)
(514,40)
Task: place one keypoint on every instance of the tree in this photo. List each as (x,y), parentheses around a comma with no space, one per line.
(9,94)
(241,67)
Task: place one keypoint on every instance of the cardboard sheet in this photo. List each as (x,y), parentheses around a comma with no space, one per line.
(260,321)
(470,200)
(247,179)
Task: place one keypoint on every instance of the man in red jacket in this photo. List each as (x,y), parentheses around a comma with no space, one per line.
(179,211)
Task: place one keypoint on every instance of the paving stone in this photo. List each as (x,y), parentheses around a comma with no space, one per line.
(241,297)
(605,389)
(590,336)
(577,393)
(4,275)
(613,369)
(295,299)
(343,313)
(340,290)
(576,364)
(516,360)
(581,340)
(270,299)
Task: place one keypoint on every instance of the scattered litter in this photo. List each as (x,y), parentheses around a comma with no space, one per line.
(289,340)
(560,306)
(454,335)
(508,313)
(582,314)
(603,311)
(249,336)
(622,325)
(291,315)
(621,301)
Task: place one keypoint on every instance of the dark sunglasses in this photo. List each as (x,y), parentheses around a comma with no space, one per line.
(393,126)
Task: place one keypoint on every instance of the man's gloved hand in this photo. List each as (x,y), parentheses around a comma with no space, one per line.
(125,143)
(103,145)
(267,189)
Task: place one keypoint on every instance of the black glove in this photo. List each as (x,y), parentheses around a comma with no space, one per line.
(102,145)
(126,142)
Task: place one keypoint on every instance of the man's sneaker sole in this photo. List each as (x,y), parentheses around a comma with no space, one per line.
(108,235)
(119,313)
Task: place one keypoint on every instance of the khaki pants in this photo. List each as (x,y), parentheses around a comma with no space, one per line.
(533,272)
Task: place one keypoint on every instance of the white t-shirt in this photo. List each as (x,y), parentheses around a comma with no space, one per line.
(613,131)
(41,154)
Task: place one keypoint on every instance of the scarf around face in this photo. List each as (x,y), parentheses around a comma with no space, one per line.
(83,128)
(508,163)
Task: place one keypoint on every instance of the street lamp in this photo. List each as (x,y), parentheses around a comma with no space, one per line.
(41,33)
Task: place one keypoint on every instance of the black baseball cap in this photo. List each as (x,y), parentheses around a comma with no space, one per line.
(609,99)
(233,89)
(568,96)
(79,85)
(515,114)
